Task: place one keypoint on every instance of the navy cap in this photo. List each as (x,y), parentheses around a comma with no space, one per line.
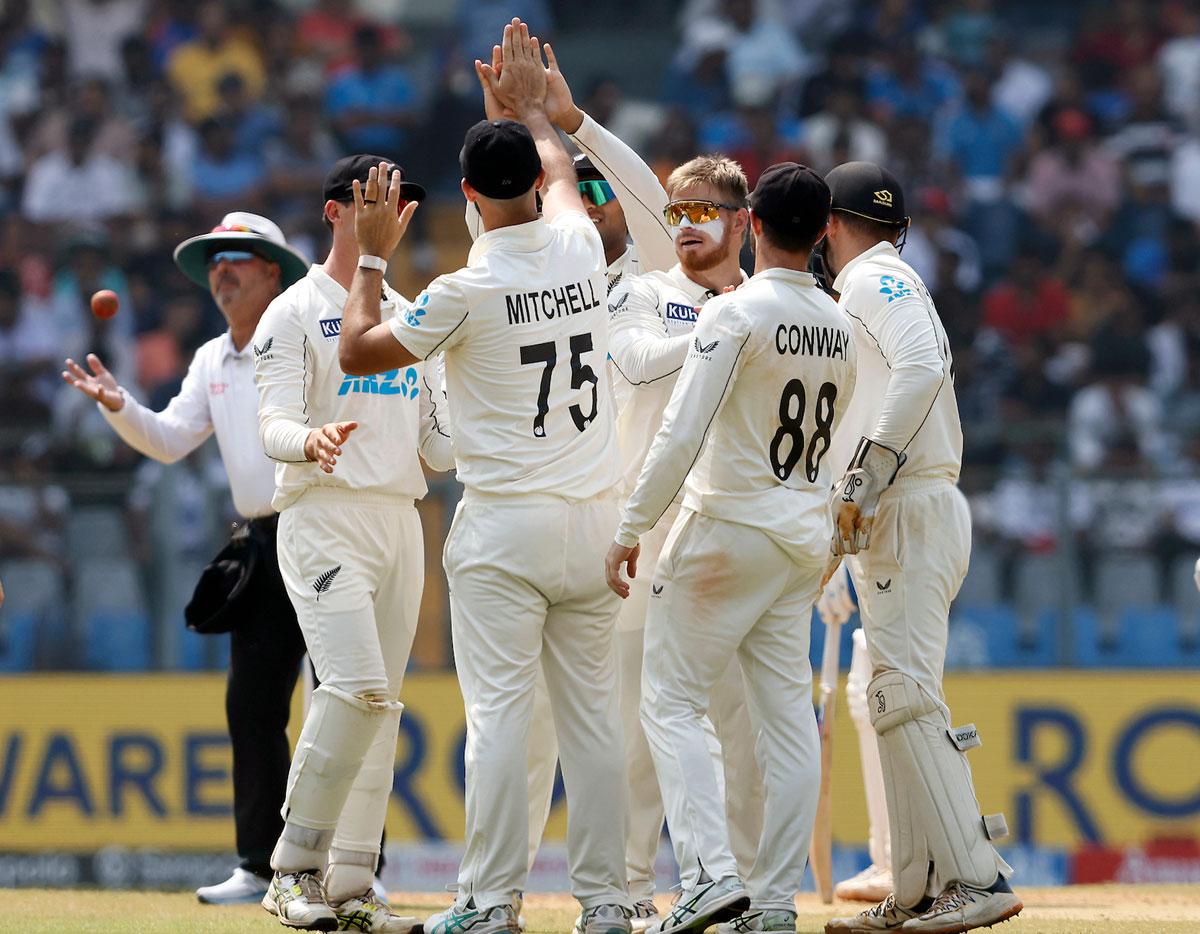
(868,190)
(792,199)
(499,159)
(585,171)
(339,182)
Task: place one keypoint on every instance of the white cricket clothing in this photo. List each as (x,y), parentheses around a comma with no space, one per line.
(524,331)
(218,397)
(904,398)
(301,386)
(651,319)
(766,381)
(527,592)
(638,191)
(857,679)
(726,590)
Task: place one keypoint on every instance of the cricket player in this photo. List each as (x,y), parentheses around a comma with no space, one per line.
(873,884)
(524,332)
(244,262)
(769,374)
(350,549)
(904,525)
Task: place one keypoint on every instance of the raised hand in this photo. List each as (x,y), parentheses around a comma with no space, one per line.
(99,384)
(492,108)
(379,223)
(324,444)
(521,82)
(560,105)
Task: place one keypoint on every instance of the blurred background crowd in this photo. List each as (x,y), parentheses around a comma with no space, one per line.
(1050,153)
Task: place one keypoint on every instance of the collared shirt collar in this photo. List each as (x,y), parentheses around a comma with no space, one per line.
(517,238)
(327,285)
(795,276)
(879,249)
(698,293)
(228,351)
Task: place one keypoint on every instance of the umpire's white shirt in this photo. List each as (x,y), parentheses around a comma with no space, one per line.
(905,391)
(217,397)
(301,386)
(524,330)
(769,374)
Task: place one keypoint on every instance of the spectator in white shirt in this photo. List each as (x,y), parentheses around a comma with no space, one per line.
(76,183)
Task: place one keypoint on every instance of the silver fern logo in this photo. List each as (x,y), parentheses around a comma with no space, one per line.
(325,581)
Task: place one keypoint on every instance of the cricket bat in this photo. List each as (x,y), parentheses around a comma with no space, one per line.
(820,852)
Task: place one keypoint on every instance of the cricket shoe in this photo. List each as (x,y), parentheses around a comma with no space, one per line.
(760,919)
(242,888)
(645,913)
(604,919)
(367,912)
(298,900)
(464,918)
(705,903)
(964,907)
(873,884)
(886,916)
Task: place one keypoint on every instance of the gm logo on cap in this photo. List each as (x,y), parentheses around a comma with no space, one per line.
(883,198)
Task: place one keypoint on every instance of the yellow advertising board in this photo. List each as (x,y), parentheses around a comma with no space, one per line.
(88,761)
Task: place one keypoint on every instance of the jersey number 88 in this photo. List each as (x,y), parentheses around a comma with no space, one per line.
(791,428)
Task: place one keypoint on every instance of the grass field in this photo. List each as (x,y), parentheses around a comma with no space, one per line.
(1111,909)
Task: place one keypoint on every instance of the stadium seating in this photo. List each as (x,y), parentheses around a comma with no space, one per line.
(110,615)
(96,532)
(33,605)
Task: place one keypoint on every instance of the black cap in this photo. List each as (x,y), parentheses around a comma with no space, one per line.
(584,170)
(338,183)
(792,199)
(868,190)
(499,159)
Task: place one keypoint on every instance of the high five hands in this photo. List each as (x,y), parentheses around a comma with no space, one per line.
(381,214)
(505,97)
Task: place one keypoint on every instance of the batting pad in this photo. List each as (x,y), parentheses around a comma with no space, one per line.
(937,834)
(338,731)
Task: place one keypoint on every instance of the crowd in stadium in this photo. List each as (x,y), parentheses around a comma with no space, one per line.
(1053,178)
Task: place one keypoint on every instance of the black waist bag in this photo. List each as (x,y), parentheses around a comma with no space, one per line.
(226,587)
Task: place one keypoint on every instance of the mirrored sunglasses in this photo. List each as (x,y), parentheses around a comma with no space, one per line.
(231,256)
(696,211)
(597,191)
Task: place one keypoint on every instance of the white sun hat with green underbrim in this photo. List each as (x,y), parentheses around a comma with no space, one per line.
(241,231)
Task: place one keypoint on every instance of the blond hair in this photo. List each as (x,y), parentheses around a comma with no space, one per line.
(719,171)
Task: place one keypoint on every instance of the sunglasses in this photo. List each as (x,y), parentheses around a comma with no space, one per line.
(597,191)
(696,211)
(231,256)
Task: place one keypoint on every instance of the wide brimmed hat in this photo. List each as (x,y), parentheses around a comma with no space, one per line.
(241,231)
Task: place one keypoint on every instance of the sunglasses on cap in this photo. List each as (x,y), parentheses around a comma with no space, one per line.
(231,256)
(695,210)
(597,191)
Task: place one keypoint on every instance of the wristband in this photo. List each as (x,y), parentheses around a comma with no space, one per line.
(367,261)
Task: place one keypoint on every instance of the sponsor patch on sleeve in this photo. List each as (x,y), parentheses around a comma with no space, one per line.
(677,312)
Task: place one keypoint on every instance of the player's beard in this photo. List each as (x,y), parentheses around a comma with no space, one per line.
(703,261)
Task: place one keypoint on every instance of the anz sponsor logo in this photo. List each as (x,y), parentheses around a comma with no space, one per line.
(413,315)
(677,312)
(391,383)
(331,328)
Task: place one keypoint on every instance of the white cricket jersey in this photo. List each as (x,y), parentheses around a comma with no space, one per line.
(301,386)
(217,397)
(905,396)
(651,318)
(765,384)
(524,330)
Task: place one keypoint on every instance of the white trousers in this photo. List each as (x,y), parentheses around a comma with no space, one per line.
(859,676)
(726,590)
(728,732)
(527,589)
(906,581)
(354,568)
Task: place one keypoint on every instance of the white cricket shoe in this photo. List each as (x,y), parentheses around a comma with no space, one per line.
(242,888)
(367,912)
(873,884)
(706,903)
(604,919)
(760,919)
(964,907)
(464,918)
(645,913)
(886,916)
(298,900)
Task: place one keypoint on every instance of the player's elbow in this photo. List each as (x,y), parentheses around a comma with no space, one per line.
(351,358)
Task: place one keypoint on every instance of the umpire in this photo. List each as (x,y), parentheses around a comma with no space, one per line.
(244,263)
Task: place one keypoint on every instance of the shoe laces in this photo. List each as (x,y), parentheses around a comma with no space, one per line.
(955,898)
(882,910)
(311,886)
(644,908)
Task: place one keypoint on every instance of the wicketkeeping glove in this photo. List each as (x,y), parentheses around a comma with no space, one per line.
(872,470)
